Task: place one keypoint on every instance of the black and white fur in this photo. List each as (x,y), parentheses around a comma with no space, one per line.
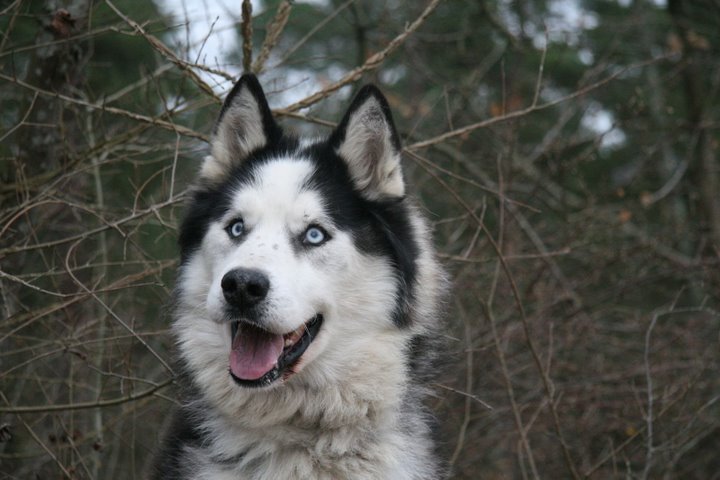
(351,406)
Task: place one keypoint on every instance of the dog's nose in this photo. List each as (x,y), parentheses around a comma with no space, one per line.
(244,287)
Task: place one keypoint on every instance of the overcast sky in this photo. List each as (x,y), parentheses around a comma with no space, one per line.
(208,27)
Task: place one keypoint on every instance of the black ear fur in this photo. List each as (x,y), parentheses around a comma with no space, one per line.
(244,125)
(367,140)
(253,86)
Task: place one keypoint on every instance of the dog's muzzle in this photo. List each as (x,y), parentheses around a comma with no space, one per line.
(259,357)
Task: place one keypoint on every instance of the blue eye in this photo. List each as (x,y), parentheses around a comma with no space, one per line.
(315,236)
(236,228)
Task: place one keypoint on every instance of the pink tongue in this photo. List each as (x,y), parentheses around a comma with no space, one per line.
(254,352)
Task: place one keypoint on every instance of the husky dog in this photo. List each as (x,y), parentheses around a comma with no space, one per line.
(306,305)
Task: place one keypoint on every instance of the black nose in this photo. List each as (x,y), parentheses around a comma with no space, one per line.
(244,287)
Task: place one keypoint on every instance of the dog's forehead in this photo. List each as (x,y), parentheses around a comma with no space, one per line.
(280,186)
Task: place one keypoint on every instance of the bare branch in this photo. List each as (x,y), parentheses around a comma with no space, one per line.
(274,30)
(167,53)
(86,405)
(532,108)
(246,29)
(116,111)
(371,63)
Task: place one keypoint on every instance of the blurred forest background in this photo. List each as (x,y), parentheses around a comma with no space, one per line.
(566,151)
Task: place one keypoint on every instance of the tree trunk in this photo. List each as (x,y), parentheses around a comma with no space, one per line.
(704,167)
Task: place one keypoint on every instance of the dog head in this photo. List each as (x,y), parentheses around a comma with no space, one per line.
(298,255)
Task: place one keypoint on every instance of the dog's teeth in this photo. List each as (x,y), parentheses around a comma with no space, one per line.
(292,337)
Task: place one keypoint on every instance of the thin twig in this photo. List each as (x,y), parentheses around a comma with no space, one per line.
(70,39)
(649,419)
(312,32)
(174,166)
(274,30)
(35,436)
(110,310)
(373,62)
(464,394)
(116,111)
(468,388)
(532,108)
(488,313)
(590,471)
(650,400)
(22,121)
(541,68)
(508,386)
(52,243)
(85,405)
(246,29)
(167,53)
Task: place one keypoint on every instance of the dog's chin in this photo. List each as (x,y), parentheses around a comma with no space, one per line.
(259,358)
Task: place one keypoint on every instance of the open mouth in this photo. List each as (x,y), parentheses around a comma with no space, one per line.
(258,357)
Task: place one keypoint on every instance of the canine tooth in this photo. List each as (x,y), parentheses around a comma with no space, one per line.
(293,337)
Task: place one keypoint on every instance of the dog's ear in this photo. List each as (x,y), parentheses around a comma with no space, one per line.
(367,141)
(245,124)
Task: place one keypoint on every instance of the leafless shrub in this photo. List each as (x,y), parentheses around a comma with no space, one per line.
(584,318)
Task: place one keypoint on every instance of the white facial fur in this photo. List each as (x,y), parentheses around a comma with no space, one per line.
(353,291)
(275,212)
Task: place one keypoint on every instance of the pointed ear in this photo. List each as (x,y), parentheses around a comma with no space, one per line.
(244,125)
(367,141)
